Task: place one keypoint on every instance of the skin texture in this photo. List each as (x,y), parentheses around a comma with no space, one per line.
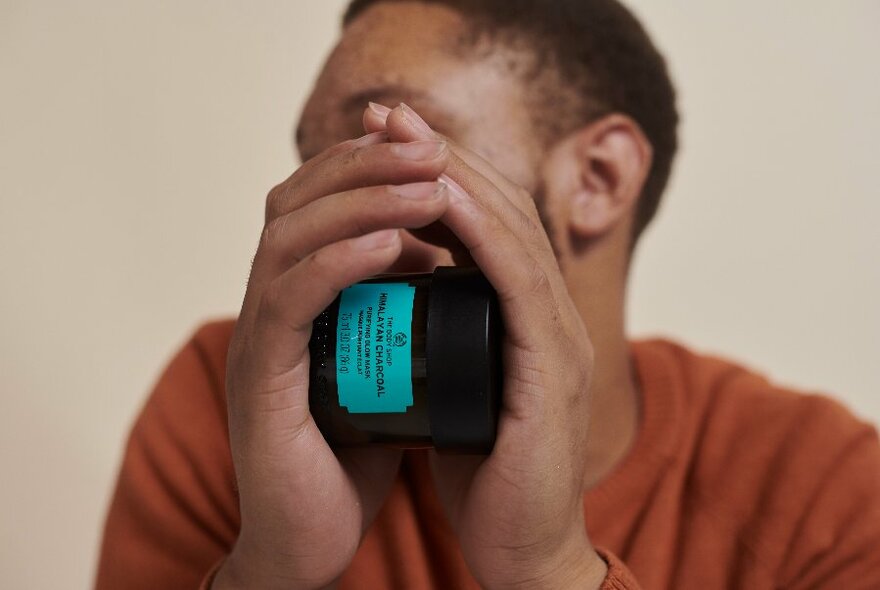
(570,401)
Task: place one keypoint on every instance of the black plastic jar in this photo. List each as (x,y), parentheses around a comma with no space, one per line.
(410,361)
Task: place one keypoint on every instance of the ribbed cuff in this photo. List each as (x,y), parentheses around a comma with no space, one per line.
(619,577)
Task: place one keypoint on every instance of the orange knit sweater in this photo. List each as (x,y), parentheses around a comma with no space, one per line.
(732,483)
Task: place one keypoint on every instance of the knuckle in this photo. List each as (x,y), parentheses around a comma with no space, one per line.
(275,200)
(531,229)
(588,357)
(272,234)
(354,158)
(323,259)
(494,224)
(326,267)
(270,300)
(267,238)
(531,214)
(582,375)
(538,280)
(359,215)
(581,354)
(388,192)
(576,378)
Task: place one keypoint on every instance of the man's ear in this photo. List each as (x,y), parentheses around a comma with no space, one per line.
(613,157)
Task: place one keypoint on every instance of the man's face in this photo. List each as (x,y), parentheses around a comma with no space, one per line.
(406,52)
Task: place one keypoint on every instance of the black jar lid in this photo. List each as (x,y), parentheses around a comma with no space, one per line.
(463,360)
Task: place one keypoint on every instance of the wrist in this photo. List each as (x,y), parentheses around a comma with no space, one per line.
(234,574)
(237,572)
(588,573)
(576,567)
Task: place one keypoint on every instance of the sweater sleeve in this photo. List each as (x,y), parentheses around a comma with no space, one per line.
(618,577)
(174,514)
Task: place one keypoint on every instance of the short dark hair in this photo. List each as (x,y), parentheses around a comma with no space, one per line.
(603,54)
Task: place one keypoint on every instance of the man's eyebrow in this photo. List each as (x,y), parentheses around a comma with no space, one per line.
(389,95)
(380,94)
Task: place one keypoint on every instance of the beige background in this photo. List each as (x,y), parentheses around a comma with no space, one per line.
(138,139)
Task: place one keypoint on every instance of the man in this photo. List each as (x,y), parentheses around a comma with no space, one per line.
(532,139)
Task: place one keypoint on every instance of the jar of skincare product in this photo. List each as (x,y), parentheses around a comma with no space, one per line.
(410,361)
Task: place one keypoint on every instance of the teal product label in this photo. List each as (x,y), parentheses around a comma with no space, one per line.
(373,348)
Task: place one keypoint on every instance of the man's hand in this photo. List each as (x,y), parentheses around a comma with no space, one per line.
(518,513)
(304,509)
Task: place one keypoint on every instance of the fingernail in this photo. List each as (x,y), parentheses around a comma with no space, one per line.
(416,120)
(418,150)
(420,191)
(376,240)
(455,189)
(381,111)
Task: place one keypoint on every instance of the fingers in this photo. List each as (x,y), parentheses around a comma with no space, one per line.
(372,138)
(291,301)
(523,283)
(404,124)
(489,224)
(354,165)
(407,125)
(472,173)
(375,117)
(397,195)
(475,179)
(290,238)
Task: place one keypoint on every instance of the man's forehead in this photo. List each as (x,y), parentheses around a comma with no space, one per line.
(393,40)
(393,52)
(405,52)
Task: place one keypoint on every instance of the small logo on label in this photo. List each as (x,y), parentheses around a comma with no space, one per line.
(400,339)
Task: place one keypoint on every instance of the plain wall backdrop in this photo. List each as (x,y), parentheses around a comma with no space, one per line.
(138,140)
